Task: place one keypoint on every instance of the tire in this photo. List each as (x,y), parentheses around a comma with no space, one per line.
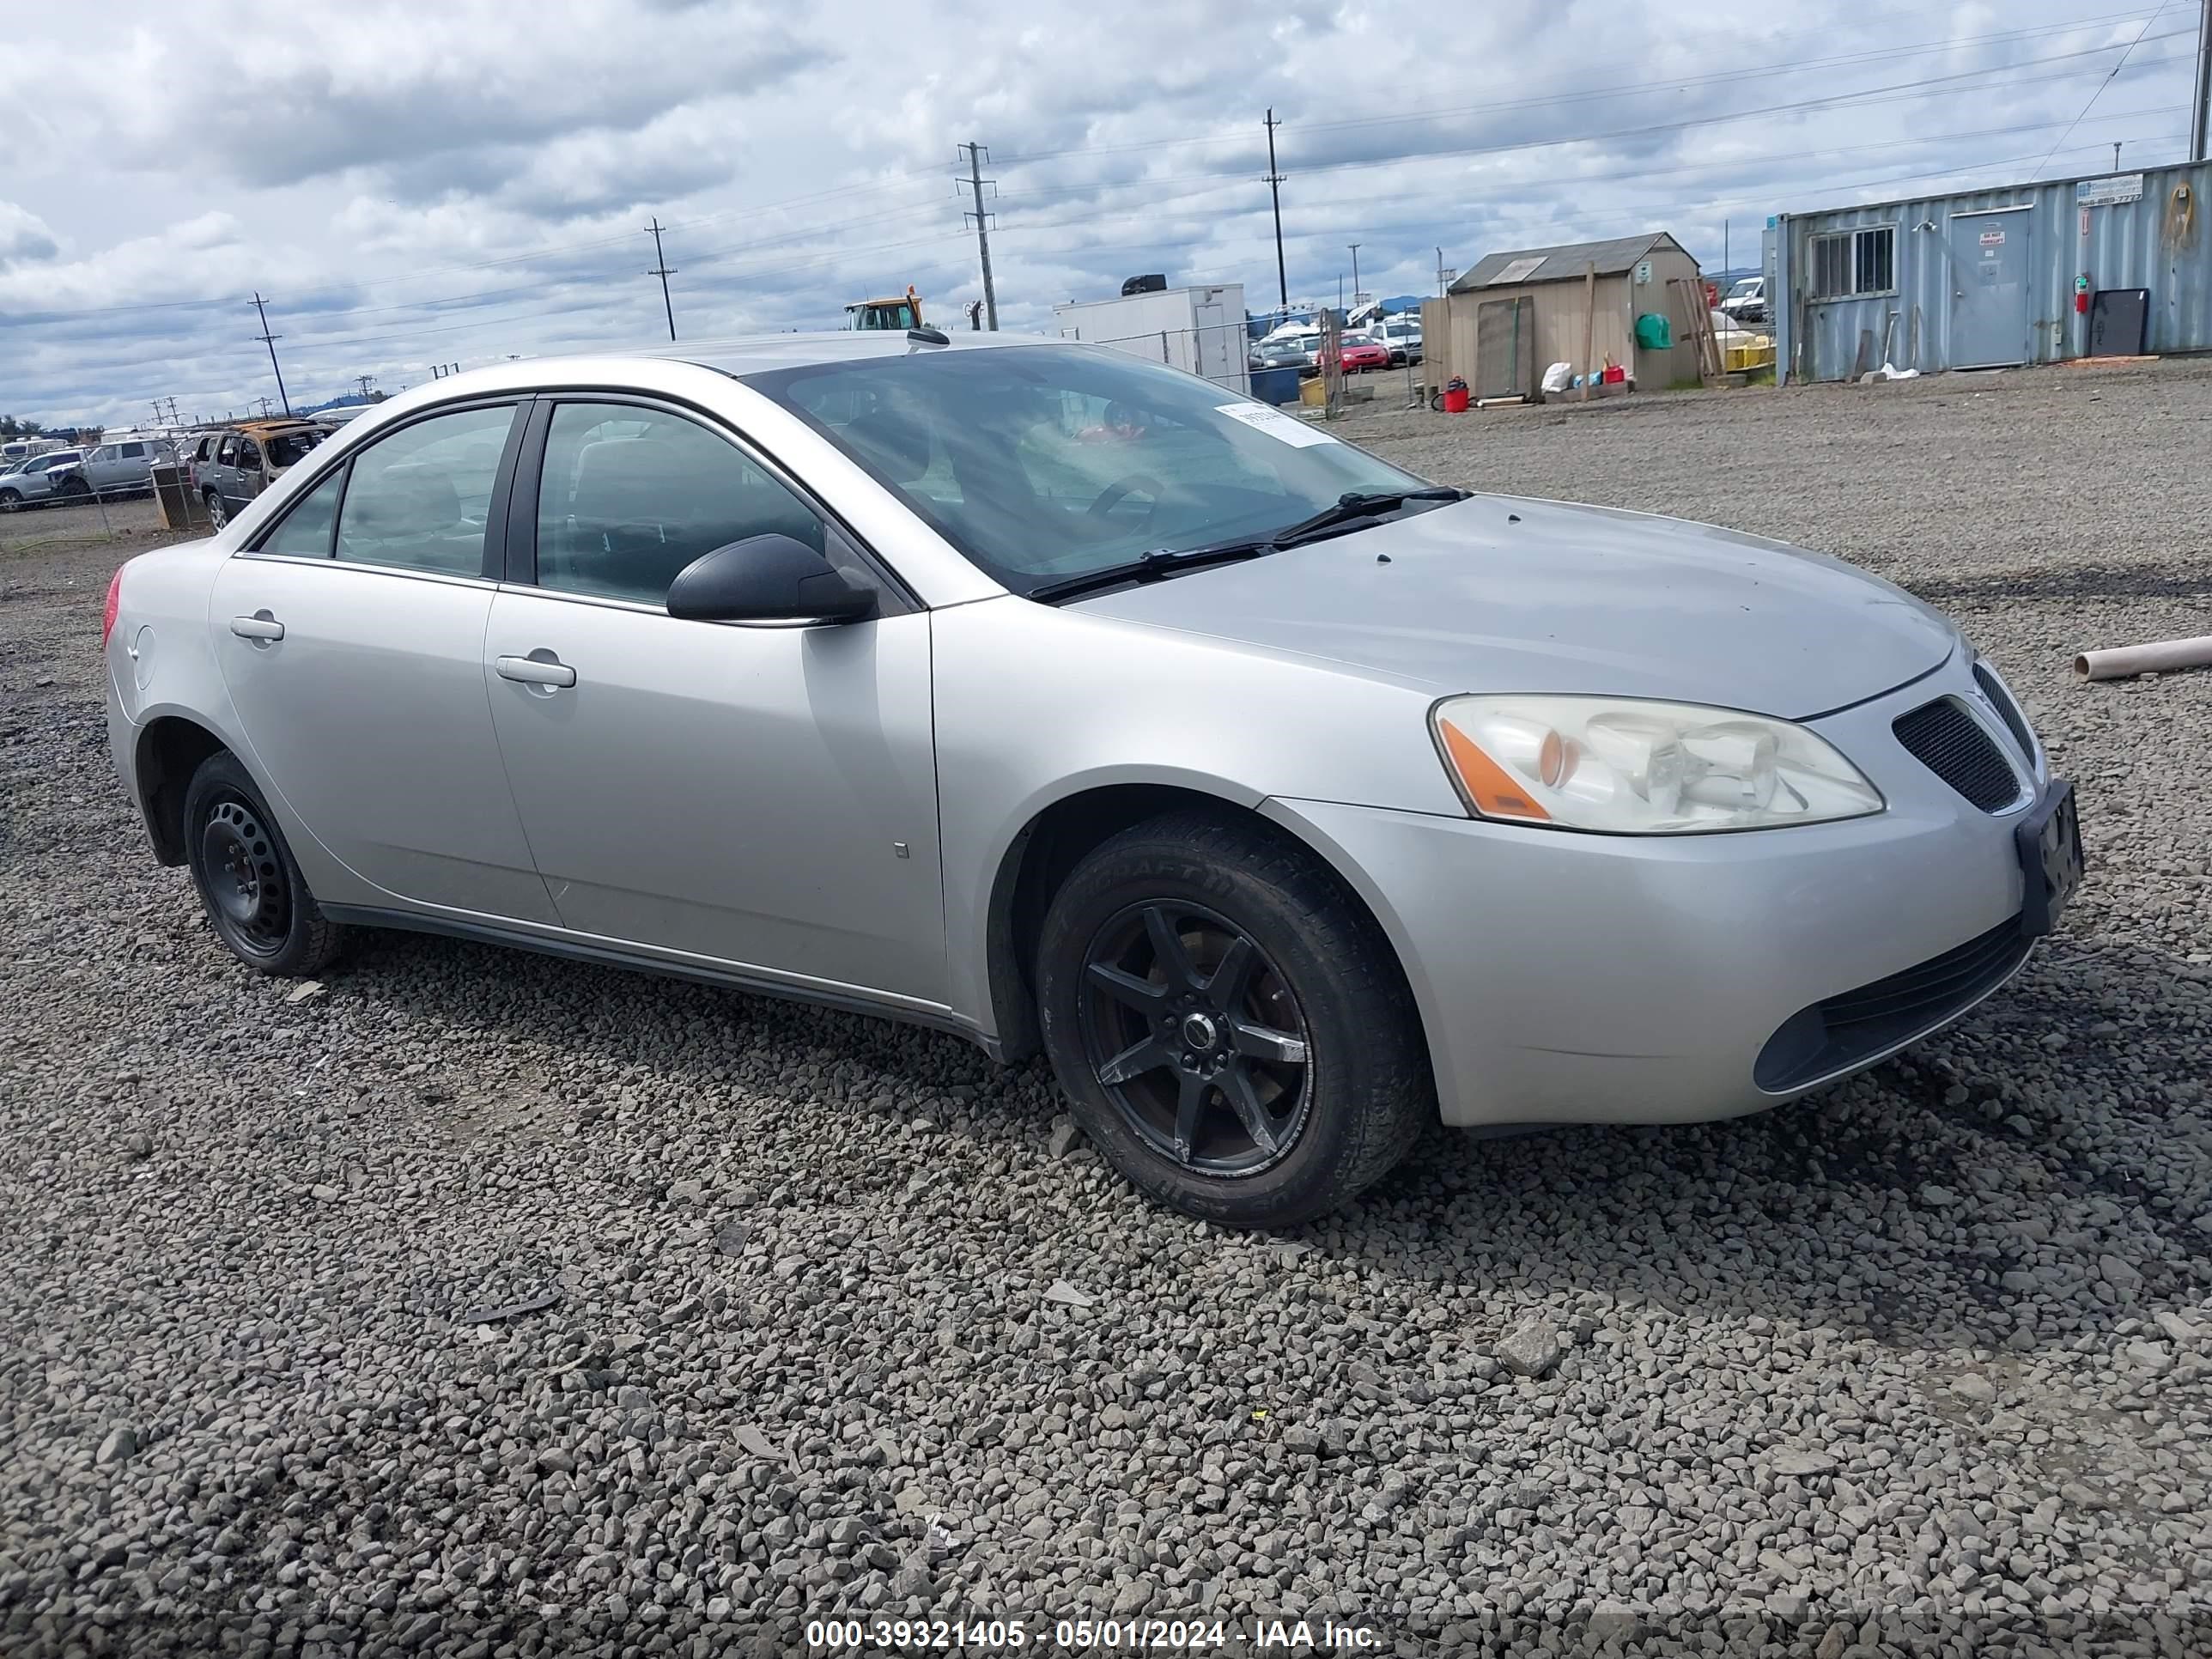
(12,501)
(1317,1036)
(76,489)
(216,516)
(255,897)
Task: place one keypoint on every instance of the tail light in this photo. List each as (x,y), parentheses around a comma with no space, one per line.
(114,603)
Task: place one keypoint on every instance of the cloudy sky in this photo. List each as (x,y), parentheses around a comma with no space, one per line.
(412,184)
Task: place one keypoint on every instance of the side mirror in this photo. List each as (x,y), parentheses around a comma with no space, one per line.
(774,578)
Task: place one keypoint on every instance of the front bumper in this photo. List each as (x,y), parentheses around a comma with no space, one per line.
(1571,978)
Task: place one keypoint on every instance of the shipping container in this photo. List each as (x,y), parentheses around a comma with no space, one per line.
(1199,331)
(1988,278)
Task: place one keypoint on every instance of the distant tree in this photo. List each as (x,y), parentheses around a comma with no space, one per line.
(8,426)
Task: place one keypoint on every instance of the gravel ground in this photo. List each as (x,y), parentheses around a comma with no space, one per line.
(484,1304)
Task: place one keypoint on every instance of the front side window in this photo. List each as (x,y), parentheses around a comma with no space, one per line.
(1047,462)
(305,530)
(419,498)
(630,495)
(226,453)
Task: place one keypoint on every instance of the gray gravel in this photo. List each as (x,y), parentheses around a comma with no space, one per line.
(484,1304)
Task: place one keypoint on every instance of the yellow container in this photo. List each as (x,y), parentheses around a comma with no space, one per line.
(1313,393)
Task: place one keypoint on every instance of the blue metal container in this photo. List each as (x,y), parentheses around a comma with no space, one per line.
(1987,278)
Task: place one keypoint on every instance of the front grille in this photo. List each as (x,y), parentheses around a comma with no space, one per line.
(1956,747)
(1857,1027)
(2008,710)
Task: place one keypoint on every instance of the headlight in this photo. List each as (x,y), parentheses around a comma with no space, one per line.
(1642,768)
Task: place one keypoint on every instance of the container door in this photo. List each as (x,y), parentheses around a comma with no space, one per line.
(1991,320)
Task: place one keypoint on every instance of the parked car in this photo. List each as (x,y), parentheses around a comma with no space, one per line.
(1747,300)
(1363,351)
(1280,353)
(232,466)
(1284,798)
(45,480)
(1403,337)
(125,467)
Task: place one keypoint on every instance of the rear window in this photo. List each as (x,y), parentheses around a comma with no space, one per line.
(287,447)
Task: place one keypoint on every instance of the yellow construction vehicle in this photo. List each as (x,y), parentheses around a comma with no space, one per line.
(900,314)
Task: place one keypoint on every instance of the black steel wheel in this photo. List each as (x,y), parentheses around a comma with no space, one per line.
(1231,1028)
(246,886)
(253,891)
(1195,1038)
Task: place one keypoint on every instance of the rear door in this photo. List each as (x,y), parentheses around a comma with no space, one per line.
(351,638)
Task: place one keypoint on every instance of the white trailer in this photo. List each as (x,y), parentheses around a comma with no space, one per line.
(1200,330)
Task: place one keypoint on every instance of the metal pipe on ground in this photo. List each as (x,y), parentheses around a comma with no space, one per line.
(2155,658)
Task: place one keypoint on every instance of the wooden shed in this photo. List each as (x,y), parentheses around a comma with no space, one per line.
(1511,314)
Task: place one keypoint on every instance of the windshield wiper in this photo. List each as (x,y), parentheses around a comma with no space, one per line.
(1357,504)
(1153,566)
(1347,510)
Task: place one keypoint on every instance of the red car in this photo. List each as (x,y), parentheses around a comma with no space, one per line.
(1365,354)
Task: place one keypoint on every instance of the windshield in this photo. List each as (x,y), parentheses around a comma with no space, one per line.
(1041,463)
(1746,288)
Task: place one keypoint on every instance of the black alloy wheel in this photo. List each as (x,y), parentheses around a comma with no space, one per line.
(1195,1038)
(1228,1023)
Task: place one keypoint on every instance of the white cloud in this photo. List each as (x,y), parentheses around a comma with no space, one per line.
(412,184)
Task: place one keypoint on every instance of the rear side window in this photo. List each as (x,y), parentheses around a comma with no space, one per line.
(419,498)
(305,531)
(249,454)
(629,496)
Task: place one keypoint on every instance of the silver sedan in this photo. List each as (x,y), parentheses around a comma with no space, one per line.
(1286,801)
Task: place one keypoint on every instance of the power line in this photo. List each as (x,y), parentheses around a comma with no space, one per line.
(660,270)
(975,179)
(2102,84)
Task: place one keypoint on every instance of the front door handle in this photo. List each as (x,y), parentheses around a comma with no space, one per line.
(533,670)
(258,626)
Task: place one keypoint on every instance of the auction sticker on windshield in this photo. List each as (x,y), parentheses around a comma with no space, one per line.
(1261,418)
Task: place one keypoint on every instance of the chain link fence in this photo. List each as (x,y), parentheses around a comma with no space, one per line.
(1231,355)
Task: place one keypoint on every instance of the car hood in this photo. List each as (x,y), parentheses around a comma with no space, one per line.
(1500,594)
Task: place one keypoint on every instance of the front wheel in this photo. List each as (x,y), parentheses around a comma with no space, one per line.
(1230,1025)
(254,894)
(10,501)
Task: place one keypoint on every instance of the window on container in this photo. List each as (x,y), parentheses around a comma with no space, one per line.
(1855,262)
(1873,260)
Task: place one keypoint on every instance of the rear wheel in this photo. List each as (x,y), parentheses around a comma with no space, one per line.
(216,516)
(1231,1027)
(255,897)
(75,488)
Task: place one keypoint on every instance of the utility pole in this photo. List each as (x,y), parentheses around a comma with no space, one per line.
(264,408)
(1725,266)
(1275,190)
(1354,247)
(1444,275)
(976,181)
(269,340)
(2116,155)
(363,381)
(172,402)
(2200,130)
(660,270)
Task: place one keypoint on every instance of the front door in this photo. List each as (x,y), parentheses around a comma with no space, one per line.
(351,640)
(1992,308)
(762,796)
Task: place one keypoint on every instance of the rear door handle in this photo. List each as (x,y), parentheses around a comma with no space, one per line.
(260,626)
(530,671)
